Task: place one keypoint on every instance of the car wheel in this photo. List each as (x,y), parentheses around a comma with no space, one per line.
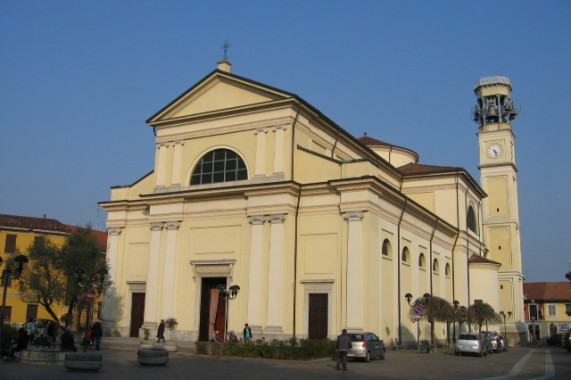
(382,357)
(367,357)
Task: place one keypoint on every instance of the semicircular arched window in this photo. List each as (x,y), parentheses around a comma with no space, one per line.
(220,165)
(471,219)
(386,247)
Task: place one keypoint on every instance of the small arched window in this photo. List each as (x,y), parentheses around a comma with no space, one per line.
(471,219)
(220,165)
(405,255)
(421,261)
(447,270)
(386,248)
(435,266)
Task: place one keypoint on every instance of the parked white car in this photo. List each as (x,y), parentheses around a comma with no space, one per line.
(471,344)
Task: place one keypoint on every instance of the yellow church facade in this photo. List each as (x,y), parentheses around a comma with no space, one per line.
(253,186)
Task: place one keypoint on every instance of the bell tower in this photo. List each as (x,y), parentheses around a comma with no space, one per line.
(494,113)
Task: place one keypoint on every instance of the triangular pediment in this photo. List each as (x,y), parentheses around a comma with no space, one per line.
(217,92)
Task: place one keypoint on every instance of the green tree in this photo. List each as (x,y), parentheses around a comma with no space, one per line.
(436,309)
(482,313)
(42,281)
(49,276)
(81,250)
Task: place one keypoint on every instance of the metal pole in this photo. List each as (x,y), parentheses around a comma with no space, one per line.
(5,276)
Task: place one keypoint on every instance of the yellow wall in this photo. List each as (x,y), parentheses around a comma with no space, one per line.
(13,299)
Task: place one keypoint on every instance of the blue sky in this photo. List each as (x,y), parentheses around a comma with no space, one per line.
(78,79)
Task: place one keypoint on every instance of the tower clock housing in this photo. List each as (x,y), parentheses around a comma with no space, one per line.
(494,113)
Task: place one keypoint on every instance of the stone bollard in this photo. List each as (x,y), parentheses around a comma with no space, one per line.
(153,356)
(83,361)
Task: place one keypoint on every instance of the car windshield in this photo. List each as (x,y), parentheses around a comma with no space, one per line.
(468,337)
(357,337)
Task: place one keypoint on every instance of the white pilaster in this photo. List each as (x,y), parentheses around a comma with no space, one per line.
(110,295)
(177,163)
(260,168)
(152,292)
(275,274)
(161,164)
(255,282)
(354,271)
(279,158)
(169,270)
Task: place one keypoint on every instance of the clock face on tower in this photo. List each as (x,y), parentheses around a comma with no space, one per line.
(494,150)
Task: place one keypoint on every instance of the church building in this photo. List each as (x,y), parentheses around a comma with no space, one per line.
(262,210)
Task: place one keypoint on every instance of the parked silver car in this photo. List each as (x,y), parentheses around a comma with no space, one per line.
(471,344)
(366,346)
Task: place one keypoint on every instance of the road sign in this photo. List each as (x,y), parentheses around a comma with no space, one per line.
(563,327)
(91,295)
(417,310)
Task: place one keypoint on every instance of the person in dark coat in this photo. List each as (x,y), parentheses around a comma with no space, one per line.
(67,341)
(161,331)
(97,334)
(343,347)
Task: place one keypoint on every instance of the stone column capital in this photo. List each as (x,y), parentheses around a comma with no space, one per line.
(257,219)
(281,127)
(115,231)
(157,226)
(276,218)
(353,216)
(260,130)
(173,225)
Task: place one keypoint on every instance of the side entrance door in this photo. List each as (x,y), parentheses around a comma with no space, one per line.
(318,306)
(137,313)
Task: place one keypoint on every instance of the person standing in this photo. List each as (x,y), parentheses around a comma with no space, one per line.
(97,333)
(247,333)
(161,331)
(343,347)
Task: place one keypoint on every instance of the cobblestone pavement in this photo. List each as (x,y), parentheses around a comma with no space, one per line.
(120,361)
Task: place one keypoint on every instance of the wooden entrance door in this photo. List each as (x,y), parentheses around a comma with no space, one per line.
(318,306)
(137,313)
(208,314)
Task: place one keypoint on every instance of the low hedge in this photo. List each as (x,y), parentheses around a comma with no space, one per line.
(292,349)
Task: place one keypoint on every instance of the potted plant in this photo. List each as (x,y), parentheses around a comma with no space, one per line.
(170,324)
(145,342)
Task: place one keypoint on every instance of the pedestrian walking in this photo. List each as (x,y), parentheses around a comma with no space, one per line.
(343,347)
(161,331)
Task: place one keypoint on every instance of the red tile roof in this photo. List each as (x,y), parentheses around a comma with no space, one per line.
(100,235)
(28,223)
(481,259)
(424,169)
(547,291)
(371,141)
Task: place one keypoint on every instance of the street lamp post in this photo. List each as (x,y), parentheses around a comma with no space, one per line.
(504,315)
(90,285)
(456,303)
(227,294)
(10,273)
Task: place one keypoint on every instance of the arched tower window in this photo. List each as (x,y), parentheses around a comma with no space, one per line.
(435,266)
(447,269)
(405,255)
(220,165)
(386,248)
(471,219)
